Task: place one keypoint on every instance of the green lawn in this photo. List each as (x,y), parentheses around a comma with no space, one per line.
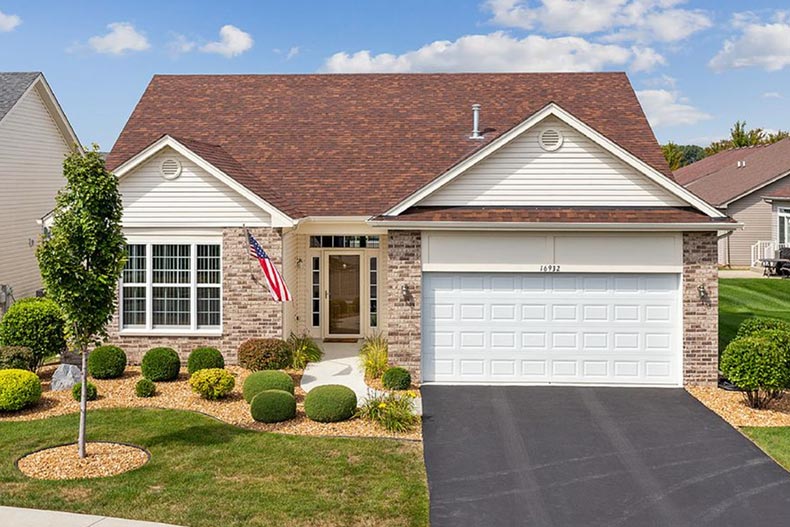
(741,298)
(774,440)
(206,473)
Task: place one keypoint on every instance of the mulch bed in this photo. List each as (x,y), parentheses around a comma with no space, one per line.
(102,459)
(119,393)
(732,407)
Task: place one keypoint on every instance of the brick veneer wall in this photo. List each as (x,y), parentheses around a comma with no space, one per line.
(404,267)
(248,310)
(700,318)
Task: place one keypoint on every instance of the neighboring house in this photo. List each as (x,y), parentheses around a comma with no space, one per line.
(751,186)
(552,245)
(35,136)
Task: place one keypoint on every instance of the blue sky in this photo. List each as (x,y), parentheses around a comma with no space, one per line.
(697,66)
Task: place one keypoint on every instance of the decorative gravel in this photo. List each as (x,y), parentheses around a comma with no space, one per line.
(102,459)
(119,393)
(732,407)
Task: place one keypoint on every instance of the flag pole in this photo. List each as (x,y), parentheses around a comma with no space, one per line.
(247,250)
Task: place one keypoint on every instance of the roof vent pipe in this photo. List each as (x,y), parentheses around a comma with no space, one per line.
(476,122)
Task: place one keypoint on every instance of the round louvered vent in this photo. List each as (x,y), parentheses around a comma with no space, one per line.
(170,168)
(550,139)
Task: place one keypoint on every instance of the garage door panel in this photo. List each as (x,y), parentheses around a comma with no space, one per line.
(611,329)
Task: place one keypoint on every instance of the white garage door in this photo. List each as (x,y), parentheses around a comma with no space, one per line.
(551,328)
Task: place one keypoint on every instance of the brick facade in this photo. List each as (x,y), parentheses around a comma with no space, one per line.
(248,310)
(700,316)
(404,268)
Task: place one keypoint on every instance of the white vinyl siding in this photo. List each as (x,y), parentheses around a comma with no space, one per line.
(194,199)
(580,173)
(32,150)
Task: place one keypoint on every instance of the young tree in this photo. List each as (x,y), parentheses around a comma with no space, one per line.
(673,154)
(82,257)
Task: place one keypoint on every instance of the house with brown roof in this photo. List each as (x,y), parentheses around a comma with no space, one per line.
(751,186)
(497,228)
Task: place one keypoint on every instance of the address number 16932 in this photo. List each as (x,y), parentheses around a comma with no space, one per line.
(549,268)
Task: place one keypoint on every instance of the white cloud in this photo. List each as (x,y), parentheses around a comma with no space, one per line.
(645,59)
(761,45)
(772,95)
(122,37)
(668,108)
(8,22)
(623,20)
(232,42)
(293,52)
(180,45)
(494,52)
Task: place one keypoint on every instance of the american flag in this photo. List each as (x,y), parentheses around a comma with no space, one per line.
(277,287)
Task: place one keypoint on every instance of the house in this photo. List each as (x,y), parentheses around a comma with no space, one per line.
(35,136)
(498,228)
(750,185)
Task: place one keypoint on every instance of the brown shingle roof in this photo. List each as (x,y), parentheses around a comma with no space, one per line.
(718,179)
(359,144)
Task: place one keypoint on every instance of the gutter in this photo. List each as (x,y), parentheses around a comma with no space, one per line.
(533,226)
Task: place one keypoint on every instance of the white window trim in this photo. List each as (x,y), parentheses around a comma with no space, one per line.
(193,329)
(782,215)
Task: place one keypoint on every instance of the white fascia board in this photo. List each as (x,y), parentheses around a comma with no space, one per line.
(552,109)
(536,226)
(279,218)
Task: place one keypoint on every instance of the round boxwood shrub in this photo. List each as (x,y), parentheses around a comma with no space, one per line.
(145,388)
(35,323)
(396,378)
(330,403)
(18,389)
(106,362)
(17,358)
(273,406)
(759,365)
(212,383)
(92,392)
(161,364)
(753,325)
(260,381)
(204,358)
(264,354)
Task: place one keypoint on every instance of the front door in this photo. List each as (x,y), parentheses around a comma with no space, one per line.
(343,295)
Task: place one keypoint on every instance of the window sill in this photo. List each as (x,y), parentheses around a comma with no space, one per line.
(170,333)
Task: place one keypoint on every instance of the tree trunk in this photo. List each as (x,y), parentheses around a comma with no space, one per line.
(83,401)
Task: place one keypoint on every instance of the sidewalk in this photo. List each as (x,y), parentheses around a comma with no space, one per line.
(36,518)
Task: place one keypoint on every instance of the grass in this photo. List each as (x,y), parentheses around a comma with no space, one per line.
(741,298)
(206,473)
(774,440)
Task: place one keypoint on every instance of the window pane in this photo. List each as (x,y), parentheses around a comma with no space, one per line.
(373,242)
(374,292)
(316,296)
(134,270)
(208,264)
(208,306)
(133,308)
(782,228)
(171,306)
(171,264)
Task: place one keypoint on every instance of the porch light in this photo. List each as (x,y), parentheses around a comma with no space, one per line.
(704,296)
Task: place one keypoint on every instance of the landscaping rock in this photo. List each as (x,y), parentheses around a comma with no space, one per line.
(66,376)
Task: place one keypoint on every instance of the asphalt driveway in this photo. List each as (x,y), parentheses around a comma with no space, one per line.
(566,456)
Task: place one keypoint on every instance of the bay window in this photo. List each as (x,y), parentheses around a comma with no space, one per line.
(172,287)
(784,225)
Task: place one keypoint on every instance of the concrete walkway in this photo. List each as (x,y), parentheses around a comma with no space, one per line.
(741,273)
(36,518)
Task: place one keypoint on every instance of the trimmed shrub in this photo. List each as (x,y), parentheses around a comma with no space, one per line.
(396,378)
(17,358)
(330,403)
(106,362)
(35,323)
(264,354)
(145,388)
(759,366)
(273,406)
(92,392)
(161,364)
(204,358)
(395,412)
(373,355)
(18,389)
(302,350)
(260,381)
(212,383)
(753,325)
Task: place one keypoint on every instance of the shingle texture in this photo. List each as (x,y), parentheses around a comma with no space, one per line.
(325,141)
(12,86)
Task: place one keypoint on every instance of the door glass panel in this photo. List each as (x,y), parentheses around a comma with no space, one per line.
(344,293)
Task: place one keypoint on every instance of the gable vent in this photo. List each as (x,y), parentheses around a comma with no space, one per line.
(550,139)
(170,168)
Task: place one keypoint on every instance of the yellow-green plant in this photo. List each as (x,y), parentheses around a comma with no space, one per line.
(212,383)
(303,349)
(395,412)
(374,355)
